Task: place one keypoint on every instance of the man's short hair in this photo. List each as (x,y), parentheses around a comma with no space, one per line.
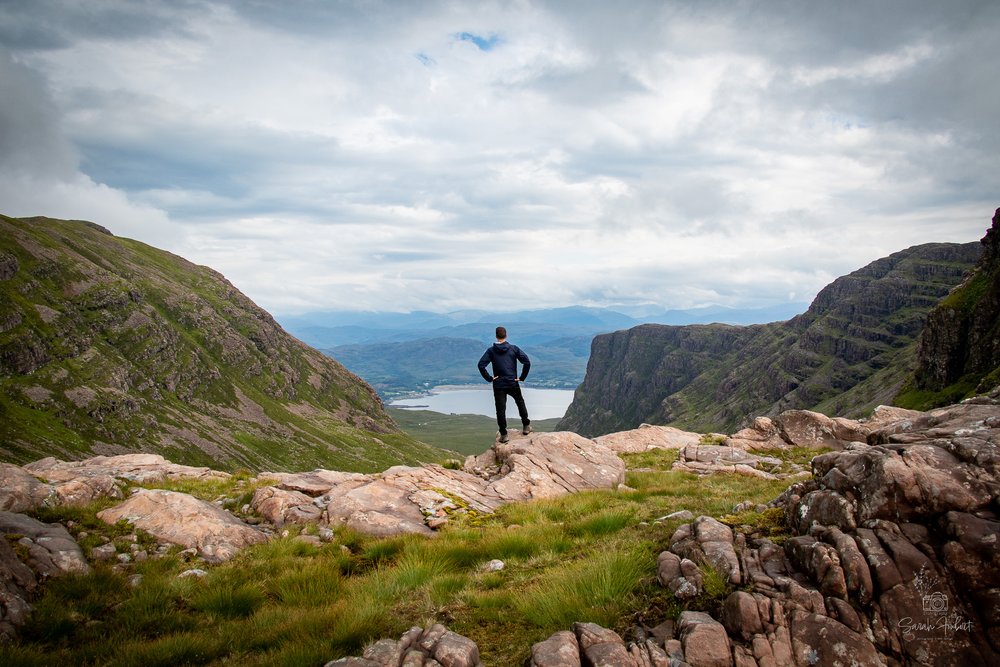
(501,333)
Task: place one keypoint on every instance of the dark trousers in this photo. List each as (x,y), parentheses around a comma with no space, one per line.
(500,395)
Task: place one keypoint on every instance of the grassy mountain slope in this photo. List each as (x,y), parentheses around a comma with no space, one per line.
(851,350)
(108,345)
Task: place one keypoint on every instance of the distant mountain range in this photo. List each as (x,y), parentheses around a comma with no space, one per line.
(111,346)
(400,353)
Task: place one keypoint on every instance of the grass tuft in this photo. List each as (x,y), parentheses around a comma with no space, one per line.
(598,590)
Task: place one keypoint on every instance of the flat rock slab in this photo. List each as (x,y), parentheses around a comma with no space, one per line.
(138,468)
(648,437)
(314,483)
(182,519)
(50,481)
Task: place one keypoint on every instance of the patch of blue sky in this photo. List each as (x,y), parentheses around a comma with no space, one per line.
(425,59)
(483,43)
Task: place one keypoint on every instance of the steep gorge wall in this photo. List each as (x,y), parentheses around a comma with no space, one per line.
(959,349)
(851,350)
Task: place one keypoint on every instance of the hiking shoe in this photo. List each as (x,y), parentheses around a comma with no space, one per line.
(504,438)
(526,430)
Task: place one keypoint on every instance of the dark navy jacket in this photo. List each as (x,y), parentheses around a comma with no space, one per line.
(504,358)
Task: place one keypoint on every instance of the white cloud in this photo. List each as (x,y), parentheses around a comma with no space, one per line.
(332,155)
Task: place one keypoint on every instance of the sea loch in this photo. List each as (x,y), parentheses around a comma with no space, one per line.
(478,400)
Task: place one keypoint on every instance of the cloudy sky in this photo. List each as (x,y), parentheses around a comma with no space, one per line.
(442,155)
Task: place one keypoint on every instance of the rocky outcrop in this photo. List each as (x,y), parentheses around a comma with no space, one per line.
(846,354)
(418,500)
(182,519)
(437,646)
(45,550)
(792,428)
(131,349)
(959,349)
(892,557)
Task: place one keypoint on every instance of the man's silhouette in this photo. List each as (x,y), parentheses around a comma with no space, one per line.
(505,380)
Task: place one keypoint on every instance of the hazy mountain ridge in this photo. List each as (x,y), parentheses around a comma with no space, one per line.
(851,350)
(383,347)
(333,328)
(108,345)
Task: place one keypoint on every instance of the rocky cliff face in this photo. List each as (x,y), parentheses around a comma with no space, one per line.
(109,346)
(959,349)
(850,351)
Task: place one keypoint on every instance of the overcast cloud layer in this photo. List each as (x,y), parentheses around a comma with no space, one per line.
(445,155)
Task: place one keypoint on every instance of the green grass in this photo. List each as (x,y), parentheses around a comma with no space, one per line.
(464,434)
(583,557)
(654,459)
(925,399)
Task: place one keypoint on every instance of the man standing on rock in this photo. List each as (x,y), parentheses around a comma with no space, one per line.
(504,358)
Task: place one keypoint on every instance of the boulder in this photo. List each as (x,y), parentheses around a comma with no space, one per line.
(710,542)
(17,585)
(376,508)
(647,437)
(763,433)
(741,615)
(47,550)
(804,428)
(51,549)
(601,647)
(179,518)
(704,639)
(280,506)
(823,642)
(20,491)
(314,483)
(559,650)
(905,482)
(681,576)
(433,647)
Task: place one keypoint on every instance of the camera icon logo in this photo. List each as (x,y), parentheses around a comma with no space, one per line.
(935,603)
